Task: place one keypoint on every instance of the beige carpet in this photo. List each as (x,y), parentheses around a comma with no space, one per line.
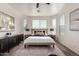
(35,51)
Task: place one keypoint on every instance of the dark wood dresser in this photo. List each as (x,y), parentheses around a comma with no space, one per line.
(8,42)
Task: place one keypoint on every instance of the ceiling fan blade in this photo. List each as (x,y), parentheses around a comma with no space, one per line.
(37,5)
(48,3)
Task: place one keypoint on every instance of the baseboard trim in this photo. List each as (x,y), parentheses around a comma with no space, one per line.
(67,48)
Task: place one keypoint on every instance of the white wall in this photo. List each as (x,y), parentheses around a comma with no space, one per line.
(12,12)
(70,38)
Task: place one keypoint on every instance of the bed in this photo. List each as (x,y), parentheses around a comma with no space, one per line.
(39,40)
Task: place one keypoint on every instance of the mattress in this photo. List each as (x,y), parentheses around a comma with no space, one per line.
(39,40)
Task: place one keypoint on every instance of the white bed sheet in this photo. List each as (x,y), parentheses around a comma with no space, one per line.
(40,40)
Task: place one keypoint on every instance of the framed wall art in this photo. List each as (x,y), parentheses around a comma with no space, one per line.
(7,22)
(74,20)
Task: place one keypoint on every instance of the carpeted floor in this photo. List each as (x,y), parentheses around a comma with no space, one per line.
(35,51)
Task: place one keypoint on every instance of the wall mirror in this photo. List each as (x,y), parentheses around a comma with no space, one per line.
(7,22)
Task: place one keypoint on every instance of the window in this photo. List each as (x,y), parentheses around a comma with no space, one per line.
(62,25)
(43,23)
(54,25)
(25,23)
(37,24)
(62,22)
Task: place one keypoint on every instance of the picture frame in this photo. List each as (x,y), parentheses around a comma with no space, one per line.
(7,22)
(74,20)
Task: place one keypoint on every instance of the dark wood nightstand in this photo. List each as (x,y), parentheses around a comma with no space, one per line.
(26,36)
(53,36)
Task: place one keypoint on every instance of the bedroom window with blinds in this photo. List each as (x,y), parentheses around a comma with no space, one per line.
(62,25)
(38,24)
(43,24)
(35,23)
(54,25)
(25,23)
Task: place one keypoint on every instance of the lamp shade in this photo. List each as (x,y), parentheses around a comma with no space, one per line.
(27,29)
(51,29)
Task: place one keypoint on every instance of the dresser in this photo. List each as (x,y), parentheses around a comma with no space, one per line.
(8,42)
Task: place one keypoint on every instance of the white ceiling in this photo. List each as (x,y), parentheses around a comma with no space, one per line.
(29,9)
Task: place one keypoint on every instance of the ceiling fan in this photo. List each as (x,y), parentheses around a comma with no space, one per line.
(37,4)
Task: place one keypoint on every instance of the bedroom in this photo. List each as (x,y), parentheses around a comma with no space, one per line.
(37,29)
